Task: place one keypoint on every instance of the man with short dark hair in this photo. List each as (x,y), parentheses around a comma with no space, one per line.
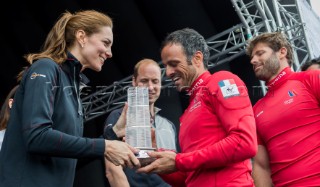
(217,130)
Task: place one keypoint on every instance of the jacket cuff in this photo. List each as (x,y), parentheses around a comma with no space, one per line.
(109,134)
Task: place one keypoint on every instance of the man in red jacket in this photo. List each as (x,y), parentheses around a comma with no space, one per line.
(217,131)
(287,117)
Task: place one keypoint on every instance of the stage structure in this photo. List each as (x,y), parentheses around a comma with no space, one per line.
(295,18)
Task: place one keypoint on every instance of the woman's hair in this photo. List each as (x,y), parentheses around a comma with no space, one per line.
(62,35)
(5,109)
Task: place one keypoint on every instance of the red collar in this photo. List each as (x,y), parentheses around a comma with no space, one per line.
(280,78)
(198,82)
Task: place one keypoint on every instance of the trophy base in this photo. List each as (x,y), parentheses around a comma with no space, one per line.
(144,158)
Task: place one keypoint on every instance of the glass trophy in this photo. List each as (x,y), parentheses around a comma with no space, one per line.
(138,126)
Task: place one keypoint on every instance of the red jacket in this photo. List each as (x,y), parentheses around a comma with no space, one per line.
(217,133)
(288,125)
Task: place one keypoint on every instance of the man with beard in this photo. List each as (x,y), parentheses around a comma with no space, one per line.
(287,117)
(217,130)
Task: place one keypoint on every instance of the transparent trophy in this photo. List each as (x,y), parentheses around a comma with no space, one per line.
(138,126)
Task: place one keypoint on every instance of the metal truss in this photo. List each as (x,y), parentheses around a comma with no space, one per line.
(284,16)
(108,98)
(291,21)
(256,18)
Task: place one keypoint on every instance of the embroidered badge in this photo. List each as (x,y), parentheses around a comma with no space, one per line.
(228,88)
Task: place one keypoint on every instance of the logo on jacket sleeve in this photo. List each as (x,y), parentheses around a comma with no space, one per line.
(228,88)
(35,75)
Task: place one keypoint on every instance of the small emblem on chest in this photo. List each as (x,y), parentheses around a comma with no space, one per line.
(195,104)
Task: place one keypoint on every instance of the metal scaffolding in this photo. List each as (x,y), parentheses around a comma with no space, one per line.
(256,18)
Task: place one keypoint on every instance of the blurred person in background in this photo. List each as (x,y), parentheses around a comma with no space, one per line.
(5,113)
(147,73)
(311,65)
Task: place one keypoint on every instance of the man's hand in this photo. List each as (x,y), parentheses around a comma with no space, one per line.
(115,175)
(121,153)
(164,163)
(120,127)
